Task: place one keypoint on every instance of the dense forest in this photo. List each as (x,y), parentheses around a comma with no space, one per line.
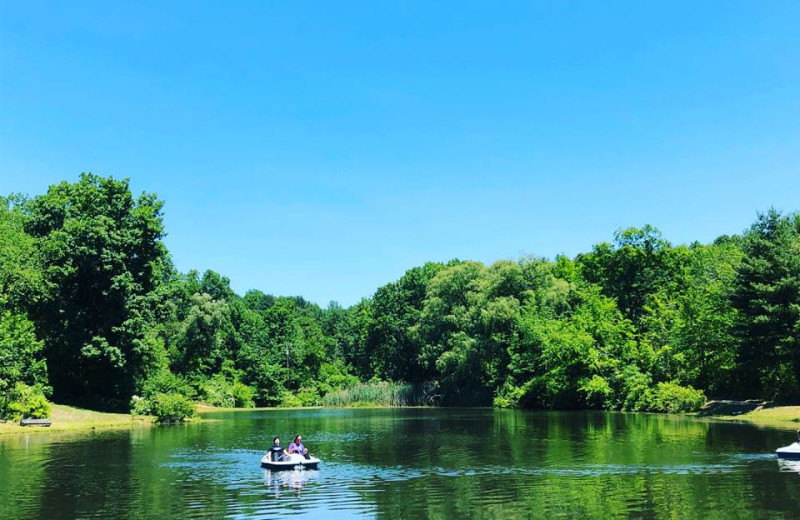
(92,312)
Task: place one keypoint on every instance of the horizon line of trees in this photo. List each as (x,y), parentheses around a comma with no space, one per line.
(93,312)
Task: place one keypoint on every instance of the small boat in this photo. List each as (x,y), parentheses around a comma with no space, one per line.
(293,461)
(791,451)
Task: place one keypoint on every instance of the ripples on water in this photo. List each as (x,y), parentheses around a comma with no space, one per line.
(426,464)
(341,487)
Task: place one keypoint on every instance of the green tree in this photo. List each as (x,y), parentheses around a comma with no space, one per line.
(101,250)
(20,356)
(450,356)
(767,296)
(393,344)
(359,321)
(206,339)
(282,345)
(704,340)
(22,281)
(573,345)
(637,265)
(21,287)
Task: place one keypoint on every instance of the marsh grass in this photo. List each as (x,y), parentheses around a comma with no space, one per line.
(375,394)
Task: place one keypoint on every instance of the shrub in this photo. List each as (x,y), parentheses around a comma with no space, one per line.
(243,395)
(165,382)
(597,392)
(171,407)
(141,406)
(25,401)
(218,391)
(503,401)
(637,391)
(289,400)
(674,398)
(508,396)
(309,396)
(165,395)
(335,376)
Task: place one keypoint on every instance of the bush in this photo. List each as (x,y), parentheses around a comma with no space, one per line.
(597,392)
(508,396)
(218,391)
(25,401)
(289,400)
(504,401)
(674,398)
(141,406)
(638,395)
(243,395)
(308,396)
(165,382)
(335,376)
(165,395)
(171,407)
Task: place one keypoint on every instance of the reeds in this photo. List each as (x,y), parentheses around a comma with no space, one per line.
(375,394)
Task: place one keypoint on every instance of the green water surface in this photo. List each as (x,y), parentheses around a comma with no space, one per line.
(407,463)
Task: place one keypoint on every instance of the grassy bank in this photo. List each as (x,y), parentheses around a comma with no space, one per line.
(784,417)
(68,418)
(762,414)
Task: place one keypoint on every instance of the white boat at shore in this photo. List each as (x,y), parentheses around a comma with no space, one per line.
(791,451)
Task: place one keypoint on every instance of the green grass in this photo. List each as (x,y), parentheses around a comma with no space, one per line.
(68,418)
(783,417)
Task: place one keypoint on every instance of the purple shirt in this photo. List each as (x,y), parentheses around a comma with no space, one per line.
(297,448)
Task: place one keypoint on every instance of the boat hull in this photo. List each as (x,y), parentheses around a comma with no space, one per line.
(293,462)
(789,452)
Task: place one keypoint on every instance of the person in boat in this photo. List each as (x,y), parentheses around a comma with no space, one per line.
(276,451)
(798,436)
(297,447)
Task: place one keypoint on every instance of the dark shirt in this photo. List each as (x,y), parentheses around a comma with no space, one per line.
(276,453)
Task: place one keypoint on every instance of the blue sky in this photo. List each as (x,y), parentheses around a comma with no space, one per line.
(322,149)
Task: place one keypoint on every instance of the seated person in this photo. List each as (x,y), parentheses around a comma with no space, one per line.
(276,452)
(297,447)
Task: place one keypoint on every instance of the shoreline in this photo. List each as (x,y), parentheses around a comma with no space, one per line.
(202,408)
(207,408)
(70,419)
(763,415)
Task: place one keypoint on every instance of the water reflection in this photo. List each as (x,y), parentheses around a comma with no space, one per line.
(789,465)
(408,463)
(294,480)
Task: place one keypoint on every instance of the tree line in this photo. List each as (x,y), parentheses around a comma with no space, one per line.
(93,312)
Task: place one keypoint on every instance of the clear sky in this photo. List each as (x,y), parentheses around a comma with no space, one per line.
(323,148)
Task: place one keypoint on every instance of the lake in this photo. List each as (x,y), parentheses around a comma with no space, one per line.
(407,463)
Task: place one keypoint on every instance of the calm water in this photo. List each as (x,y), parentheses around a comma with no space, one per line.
(407,463)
